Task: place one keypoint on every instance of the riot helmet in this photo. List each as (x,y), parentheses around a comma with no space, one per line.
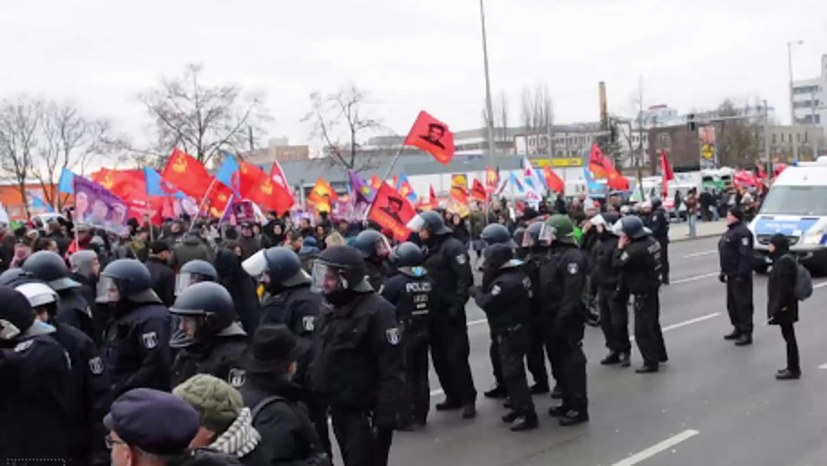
(41,297)
(16,314)
(125,279)
(194,271)
(206,309)
(429,224)
(496,233)
(50,268)
(560,229)
(338,273)
(632,226)
(278,268)
(372,244)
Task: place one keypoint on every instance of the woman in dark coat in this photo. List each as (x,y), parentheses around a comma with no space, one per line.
(782,304)
(241,286)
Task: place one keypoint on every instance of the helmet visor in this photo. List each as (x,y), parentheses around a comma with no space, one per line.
(416,224)
(107,291)
(327,279)
(383,247)
(546,235)
(8,330)
(255,265)
(185,280)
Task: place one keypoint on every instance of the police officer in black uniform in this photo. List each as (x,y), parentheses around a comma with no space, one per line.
(36,408)
(638,258)
(536,253)
(563,278)
(136,349)
(506,304)
(90,384)
(410,291)
(658,222)
(375,249)
(735,249)
(215,342)
(495,233)
(446,260)
(357,361)
(73,309)
(521,252)
(614,316)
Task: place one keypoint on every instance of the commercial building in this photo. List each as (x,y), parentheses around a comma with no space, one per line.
(810,98)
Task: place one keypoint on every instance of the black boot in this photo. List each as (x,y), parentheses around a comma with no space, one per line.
(498,391)
(574,417)
(788,375)
(612,358)
(526,422)
(732,336)
(510,417)
(469,411)
(558,411)
(625,360)
(557,393)
(539,388)
(744,340)
(647,369)
(448,405)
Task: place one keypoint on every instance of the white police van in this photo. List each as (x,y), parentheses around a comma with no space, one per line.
(796,207)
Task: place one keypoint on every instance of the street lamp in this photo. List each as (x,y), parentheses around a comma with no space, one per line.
(488,107)
(792,102)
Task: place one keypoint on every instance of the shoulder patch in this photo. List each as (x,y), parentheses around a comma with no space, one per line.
(23,346)
(573,268)
(96,366)
(237,377)
(149,340)
(309,323)
(392,335)
(461,259)
(624,256)
(496,290)
(745,241)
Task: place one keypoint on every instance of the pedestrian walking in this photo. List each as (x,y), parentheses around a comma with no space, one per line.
(782,303)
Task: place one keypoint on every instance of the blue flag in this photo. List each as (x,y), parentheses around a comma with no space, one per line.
(226,172)
(39,203)
(593,185)
(156,186)
(65,185)
(513,180)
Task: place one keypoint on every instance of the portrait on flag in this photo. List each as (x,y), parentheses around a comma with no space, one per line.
(392,211)
(97,206)
(432,136)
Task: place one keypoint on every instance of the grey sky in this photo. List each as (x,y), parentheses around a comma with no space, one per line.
(411,55)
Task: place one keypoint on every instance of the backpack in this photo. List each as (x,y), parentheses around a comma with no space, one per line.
(803,282)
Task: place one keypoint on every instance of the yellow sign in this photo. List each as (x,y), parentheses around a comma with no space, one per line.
(708,152)
(558,162)
(459,180)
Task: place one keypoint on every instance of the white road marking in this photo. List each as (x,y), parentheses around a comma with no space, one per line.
(436,392)
(694,278)
(690,321)
(477,322)
(823,366)
(819,285)
(658,448)
(702,253)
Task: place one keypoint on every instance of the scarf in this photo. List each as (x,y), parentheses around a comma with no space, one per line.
(240,439)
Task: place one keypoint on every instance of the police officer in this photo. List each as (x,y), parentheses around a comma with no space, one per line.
(73,309)
(735,249)
(536,253)
(136,348)
(658,222)
(563,278)
(90,384)
(506,303)
(357,364)
(495,233)
(521,252)
(215,343)
(194,271)
(638,258)
(410,291)
(614,316)
(446,260)
(375,249)
(35,406)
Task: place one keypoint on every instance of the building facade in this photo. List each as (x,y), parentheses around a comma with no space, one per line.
(810,98)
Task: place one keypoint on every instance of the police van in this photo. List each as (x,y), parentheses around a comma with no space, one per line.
(796,206)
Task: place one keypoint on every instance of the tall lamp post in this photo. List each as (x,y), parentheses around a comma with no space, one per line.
(792,89)
(488,107)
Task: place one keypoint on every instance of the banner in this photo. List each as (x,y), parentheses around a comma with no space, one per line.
(96,206)
(433,137)
(393,211)
(187,174)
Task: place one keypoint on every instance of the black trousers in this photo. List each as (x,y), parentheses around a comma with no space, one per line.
(614,320)
(648,333)
(739,303)
(788,332)
(536,357)
(361,444)
(513,345)
(570,362)
(664,259)
(449,351)
(417,396)
(494,356)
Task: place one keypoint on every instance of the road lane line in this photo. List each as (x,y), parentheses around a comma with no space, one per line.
(694,278)
(690,321)
(823,366)
(477,322)
(702,253)
(658,448)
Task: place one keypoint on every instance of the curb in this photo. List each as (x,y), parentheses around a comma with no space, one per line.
(687,238)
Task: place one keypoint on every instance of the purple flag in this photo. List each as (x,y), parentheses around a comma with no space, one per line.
(364,192)
(98,207)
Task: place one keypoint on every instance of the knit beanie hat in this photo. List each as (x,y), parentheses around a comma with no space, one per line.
(218,403)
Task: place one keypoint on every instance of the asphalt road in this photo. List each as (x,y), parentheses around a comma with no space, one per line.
(711,404)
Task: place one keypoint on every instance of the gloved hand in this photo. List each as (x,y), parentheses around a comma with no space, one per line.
(475,292)
(722,277)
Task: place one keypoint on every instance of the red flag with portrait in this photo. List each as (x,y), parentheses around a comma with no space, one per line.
(217,199)
(187,174)
(392,211)
(599,164)
(433,137)
(478,191)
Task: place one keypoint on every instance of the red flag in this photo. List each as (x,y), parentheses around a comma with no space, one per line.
(478,191)
(617,181)
(459,189)
(599,164)
(434,200)
(393,211)
(668,173)
(492,179)
(555,183)
(277,175)
(187,174)
(376,182)
(432,136)
(249,178)
(126,184)
(323,195)
(216,200)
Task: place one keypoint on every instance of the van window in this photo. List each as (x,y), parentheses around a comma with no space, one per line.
(796,200)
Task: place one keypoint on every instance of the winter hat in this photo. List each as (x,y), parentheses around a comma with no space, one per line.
(218,403)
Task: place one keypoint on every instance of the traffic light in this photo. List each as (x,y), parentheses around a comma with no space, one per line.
(691,125)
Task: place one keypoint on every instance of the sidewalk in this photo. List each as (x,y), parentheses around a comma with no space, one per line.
(679,231)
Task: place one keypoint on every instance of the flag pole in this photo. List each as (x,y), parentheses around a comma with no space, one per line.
(201,204)
(399,152)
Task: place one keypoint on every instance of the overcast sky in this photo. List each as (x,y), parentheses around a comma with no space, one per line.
(411,54)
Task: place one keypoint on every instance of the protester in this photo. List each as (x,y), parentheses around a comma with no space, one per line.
(161,274)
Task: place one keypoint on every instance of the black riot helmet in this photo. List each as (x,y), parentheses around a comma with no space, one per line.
(632,226)
(656,203)
(16,277)
(533,236)
(16,314)
(279,267)
(431,221)
(518,235)
(50,268)
(497,233)
(194,271)
(211,303)
(126,279)
(372,244)
(497,255)
(339,272)
(407,254)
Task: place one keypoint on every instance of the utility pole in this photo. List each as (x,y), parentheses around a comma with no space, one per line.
(488,107)
(250,138)
(767,140)
(813,124)
(792,89)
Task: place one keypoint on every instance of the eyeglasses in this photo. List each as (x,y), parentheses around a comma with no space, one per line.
(110,442)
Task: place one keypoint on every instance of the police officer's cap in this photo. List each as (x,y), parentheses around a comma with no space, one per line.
(632,226)
(132,279)
(351,262)
(51,268)
(407,254)
(16,314)
(153,421)
(202,268)
(496,233)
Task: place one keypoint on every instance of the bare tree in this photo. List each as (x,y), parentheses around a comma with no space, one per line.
(537,115)
(341,116)
(501,113)
(739,142)
(19,124)
(200,119)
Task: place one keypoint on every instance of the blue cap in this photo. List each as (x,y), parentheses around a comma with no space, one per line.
(156,422)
